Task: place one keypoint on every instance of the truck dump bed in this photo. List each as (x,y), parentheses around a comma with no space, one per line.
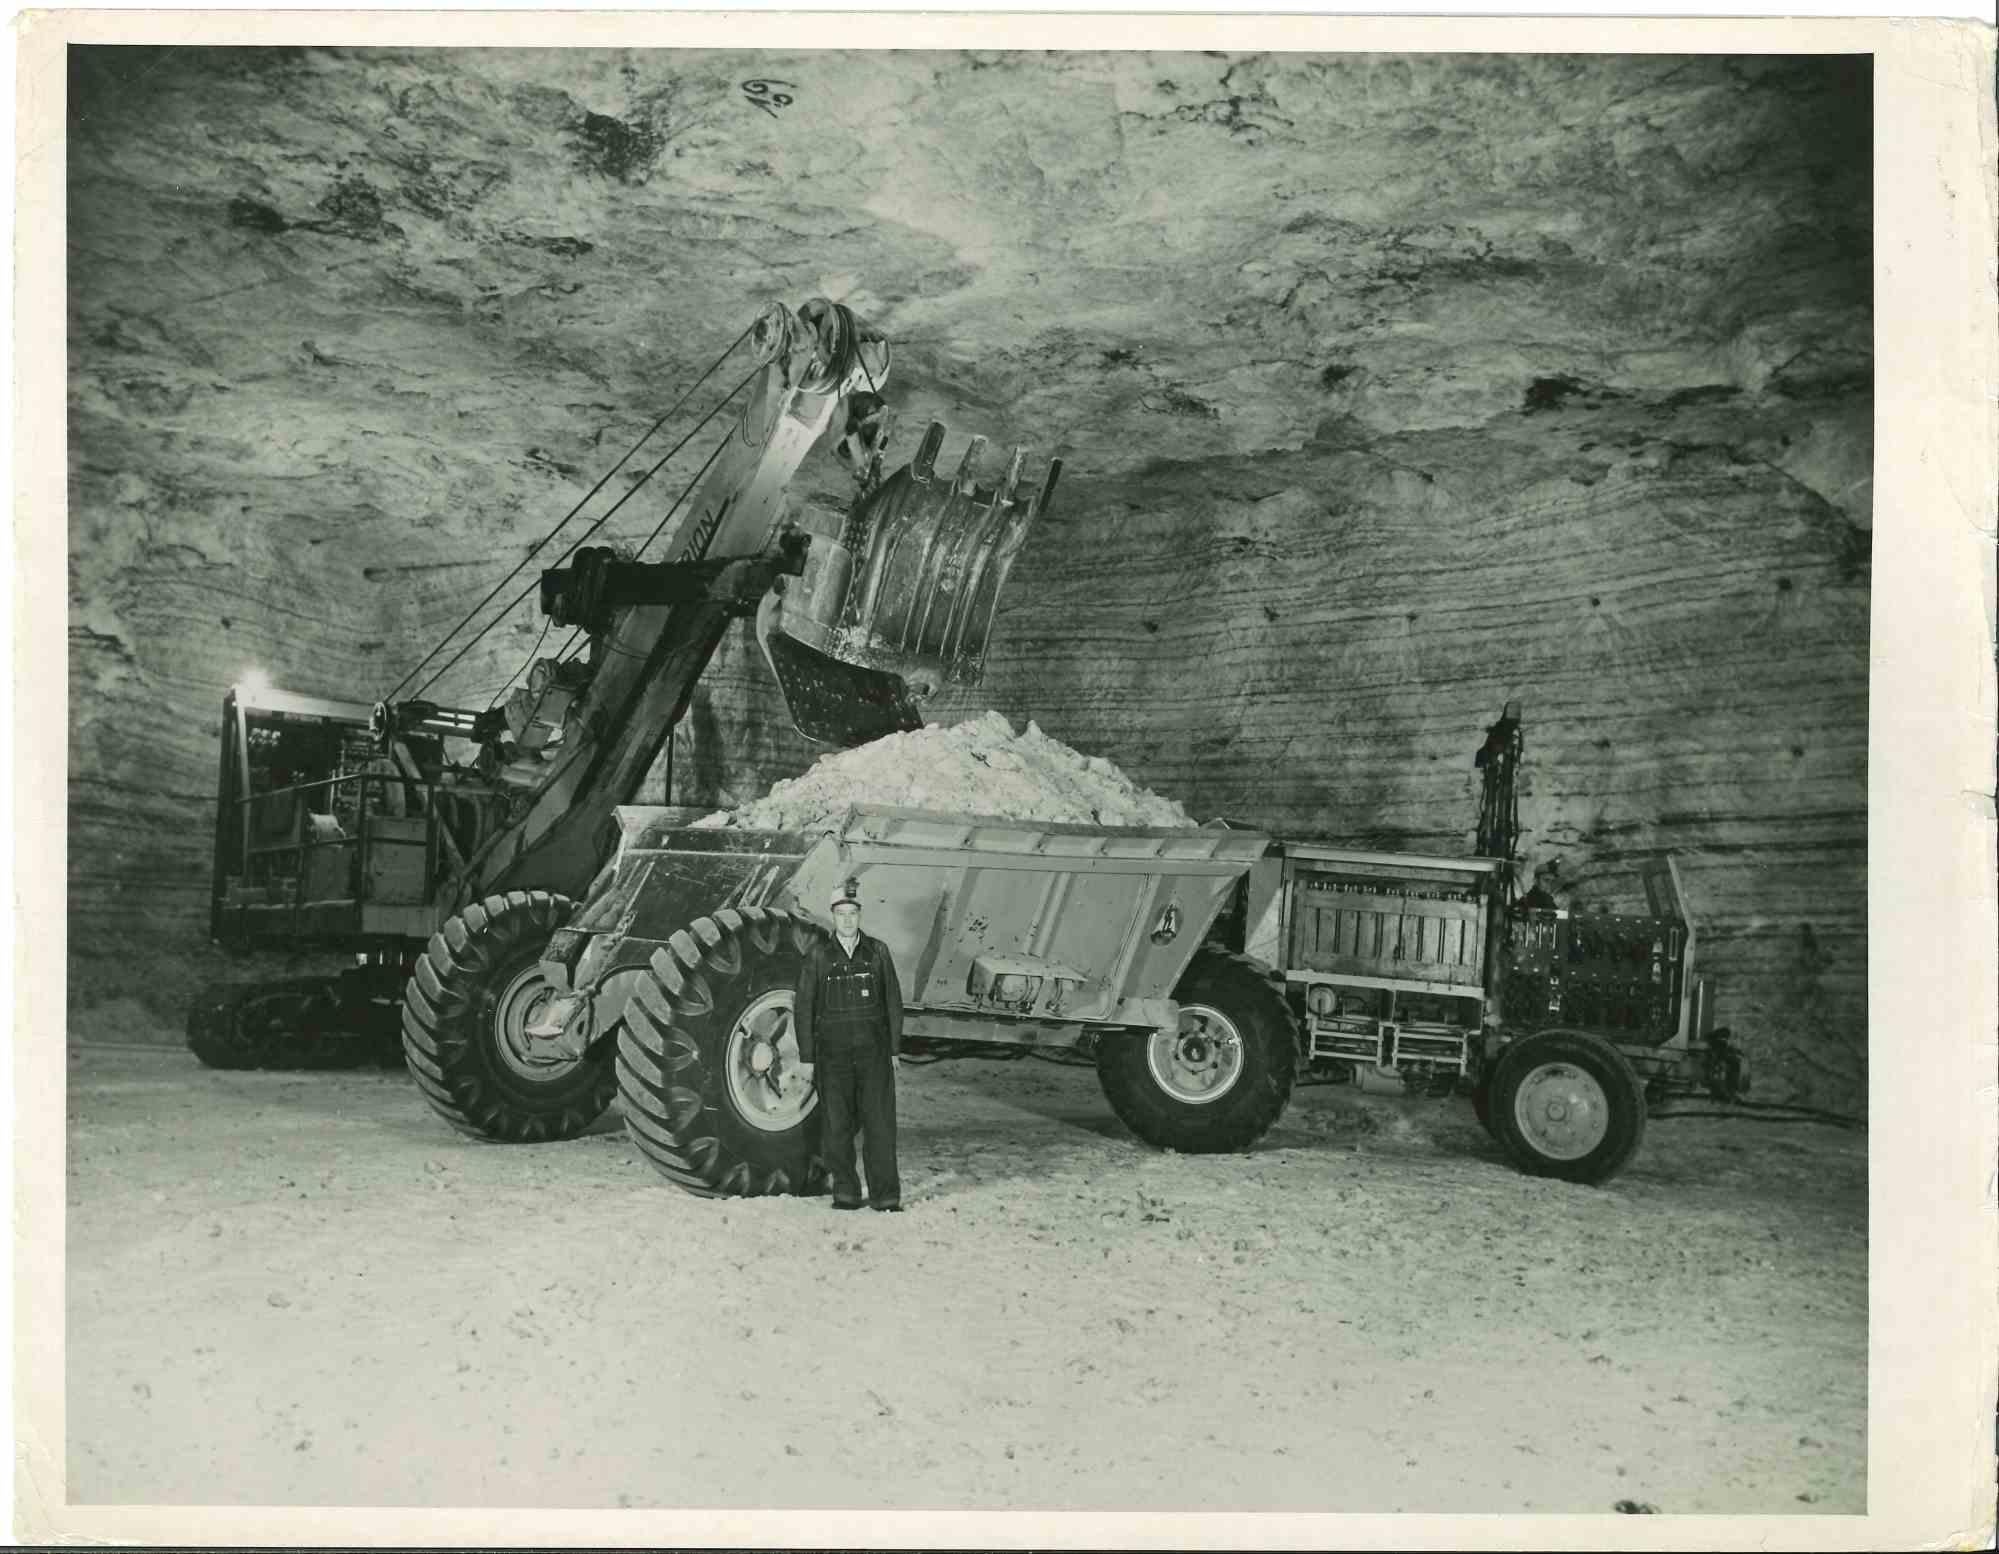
(986,918)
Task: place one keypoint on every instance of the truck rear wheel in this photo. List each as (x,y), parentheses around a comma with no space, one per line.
(477,988)
(1567,1104)
(707,1067)
(1220,1080)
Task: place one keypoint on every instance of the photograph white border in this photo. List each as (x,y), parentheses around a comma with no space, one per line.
(1933,940)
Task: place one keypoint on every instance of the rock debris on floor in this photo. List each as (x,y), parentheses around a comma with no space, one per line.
(303,1289)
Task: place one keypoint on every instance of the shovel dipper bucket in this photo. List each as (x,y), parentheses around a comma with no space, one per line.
(901,601)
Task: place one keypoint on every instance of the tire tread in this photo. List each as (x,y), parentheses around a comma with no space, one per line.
(447,1054)
(668,1079)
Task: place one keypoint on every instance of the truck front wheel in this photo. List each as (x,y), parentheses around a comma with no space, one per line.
(708,1071)
(466,1013)
(1220,1080)
(1567,1104)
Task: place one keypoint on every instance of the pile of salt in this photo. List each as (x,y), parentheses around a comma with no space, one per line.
(978,767)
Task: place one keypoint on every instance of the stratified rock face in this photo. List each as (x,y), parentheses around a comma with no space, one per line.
(1389,388)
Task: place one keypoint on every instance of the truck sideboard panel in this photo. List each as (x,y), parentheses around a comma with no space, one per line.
(1412,920)
(1017,919)
(1357,928)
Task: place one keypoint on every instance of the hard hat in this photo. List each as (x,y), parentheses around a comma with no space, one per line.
(849,894)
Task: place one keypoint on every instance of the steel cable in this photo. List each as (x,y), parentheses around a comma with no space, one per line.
(685,491)
(571,641)
(692,482)
(604,480)
(574,544)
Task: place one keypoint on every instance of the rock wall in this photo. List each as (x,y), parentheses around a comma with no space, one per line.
(1389,388)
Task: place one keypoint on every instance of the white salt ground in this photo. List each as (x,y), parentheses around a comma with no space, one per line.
(978,767)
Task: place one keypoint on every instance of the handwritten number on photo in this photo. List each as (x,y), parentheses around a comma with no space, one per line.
(769,95)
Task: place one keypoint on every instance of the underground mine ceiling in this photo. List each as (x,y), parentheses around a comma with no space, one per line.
(1387,387)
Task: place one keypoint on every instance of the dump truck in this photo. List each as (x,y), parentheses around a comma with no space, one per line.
(364,828)
(1090,940)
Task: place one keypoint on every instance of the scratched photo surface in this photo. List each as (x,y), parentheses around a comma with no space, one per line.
(1385,392)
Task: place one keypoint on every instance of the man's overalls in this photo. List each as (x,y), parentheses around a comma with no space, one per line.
(855,1069)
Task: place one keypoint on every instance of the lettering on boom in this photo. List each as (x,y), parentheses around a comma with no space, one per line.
(698,542)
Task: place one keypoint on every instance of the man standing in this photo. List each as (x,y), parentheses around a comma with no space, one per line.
(848,1017)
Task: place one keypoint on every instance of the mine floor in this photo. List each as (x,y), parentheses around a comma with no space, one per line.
(306,1289)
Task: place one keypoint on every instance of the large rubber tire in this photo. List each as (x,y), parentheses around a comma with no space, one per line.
(1567,1104)
(715,1001)
(1230,1012)
(474,988)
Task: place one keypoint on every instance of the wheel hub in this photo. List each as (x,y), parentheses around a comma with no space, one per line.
(1201,1061)
(766,1084)
(1562,1111)
(523,1004)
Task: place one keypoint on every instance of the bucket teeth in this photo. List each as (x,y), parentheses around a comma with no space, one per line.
(968,467)
(1048,486)
(1012,481)
(924,465)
